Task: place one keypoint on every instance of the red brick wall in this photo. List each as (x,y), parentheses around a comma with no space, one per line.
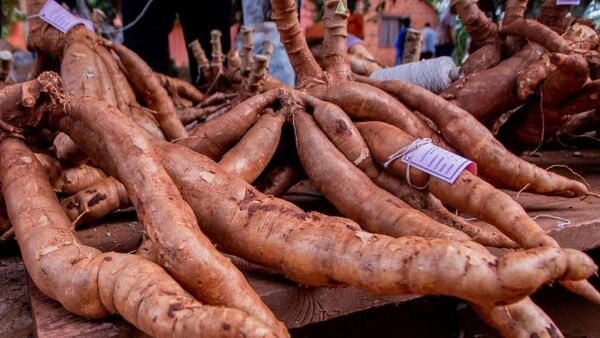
(419,12)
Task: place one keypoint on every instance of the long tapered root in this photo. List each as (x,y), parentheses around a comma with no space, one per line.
(94,284)
(410,265)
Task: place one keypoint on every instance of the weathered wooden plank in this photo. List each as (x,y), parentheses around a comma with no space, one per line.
(583,232)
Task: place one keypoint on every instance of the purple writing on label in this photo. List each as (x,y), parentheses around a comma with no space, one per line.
(438,162)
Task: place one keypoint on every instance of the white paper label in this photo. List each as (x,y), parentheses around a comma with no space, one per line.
(60,18)
(568,2)
(438,162)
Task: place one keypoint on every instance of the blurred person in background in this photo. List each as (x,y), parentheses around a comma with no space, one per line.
(446,37)
(428,47)
(148,37)
(399,44)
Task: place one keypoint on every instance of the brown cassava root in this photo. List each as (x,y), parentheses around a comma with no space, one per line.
(240,219)
(468,193)
(69,179)
(320,238)
(318,83)
(346,137)
(511,76)
(96,201)
(94,284)
(478,144)
(148,84)
(243,203)
(163,209)
(254,151)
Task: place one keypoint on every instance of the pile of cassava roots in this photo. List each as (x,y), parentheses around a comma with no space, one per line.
(204,169)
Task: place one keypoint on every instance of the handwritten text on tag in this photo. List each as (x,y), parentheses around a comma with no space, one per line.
(60,18)
(438,162)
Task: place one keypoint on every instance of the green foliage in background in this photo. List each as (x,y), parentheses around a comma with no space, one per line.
(106,6)
(462,38)
(11,15)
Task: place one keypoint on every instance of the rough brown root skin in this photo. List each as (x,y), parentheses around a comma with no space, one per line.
(67,150)
(77,178)
(254,83)
(587,98)
(215,137)
(403,265)
(538,121)
(481,28)
(217,98)
(467,92)
(42,63)
(486,234)
(202,60)
(579,124)
(554,16)
(125,96)
(246,52)
(360,65)
(234,61)
(191,114)
(523,319)
(571,74)
(342,132)
(147,84)
(539,33)
(182,88)
(473,140)
(42,37)
(529,79)
(365,102)
(144,117)
(285,15)
(82,71)
(583,289)
(216,62)
(277,180)
(514,10)
(485,57)
(373,208)
(253,152)
(67,179)
(94,284)
(18,98)
(95,201)
(346,137)
(468,193)
(170,223)
(582,37)
(335,48)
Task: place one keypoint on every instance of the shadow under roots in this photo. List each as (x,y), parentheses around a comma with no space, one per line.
(446,317)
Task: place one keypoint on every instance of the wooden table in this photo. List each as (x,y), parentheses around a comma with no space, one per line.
(299,305)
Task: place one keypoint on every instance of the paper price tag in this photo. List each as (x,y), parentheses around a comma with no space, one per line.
(438,162)
(60,18)
(568,2)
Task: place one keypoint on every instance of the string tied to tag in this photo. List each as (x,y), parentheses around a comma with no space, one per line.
(406,151)
(564,222)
